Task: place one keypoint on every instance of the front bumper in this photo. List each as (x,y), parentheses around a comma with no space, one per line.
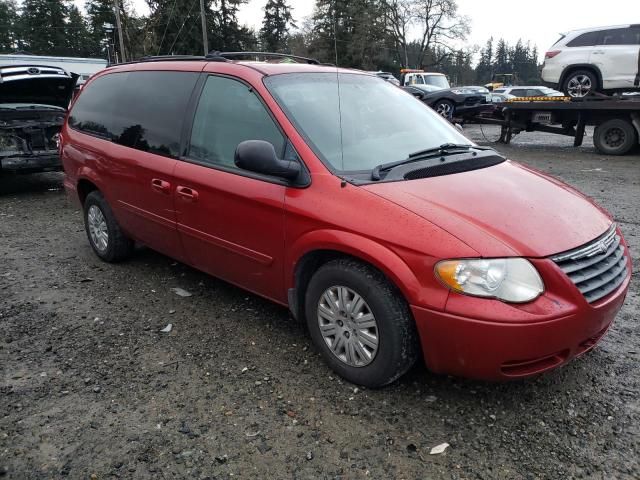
(503,350)
(44,162)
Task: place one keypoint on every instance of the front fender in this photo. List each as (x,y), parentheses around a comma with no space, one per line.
(370,251)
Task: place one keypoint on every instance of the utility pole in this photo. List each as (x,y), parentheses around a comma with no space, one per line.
(205,41)
(119,27)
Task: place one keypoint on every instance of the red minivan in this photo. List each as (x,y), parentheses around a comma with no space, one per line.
(344,198)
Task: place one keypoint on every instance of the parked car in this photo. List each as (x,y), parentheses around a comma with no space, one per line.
(505,93)
(453,102)
(604,59)
(388,77)
(359,208)
(33,104)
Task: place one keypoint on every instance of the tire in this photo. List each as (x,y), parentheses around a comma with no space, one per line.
(446,108)
(397,341)
(580,83)
(615,137)
(104,234)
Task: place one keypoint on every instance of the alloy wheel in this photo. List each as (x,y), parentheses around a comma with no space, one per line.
(348,326)
(445,110)
(98,228)
(579,86)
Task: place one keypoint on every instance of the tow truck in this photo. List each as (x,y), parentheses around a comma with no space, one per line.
(616,119)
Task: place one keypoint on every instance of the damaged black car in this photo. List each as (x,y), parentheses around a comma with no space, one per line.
(33,104)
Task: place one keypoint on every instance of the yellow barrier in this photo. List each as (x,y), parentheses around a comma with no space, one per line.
(539,99)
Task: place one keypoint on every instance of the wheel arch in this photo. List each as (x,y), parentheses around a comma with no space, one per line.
(315,249)
(84,187)
(581,66)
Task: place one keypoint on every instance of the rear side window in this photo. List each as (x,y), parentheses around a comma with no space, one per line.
(621,36)
(141,110)
(588,39)
(228,113)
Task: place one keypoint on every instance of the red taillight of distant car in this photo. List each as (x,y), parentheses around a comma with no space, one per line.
(552,53)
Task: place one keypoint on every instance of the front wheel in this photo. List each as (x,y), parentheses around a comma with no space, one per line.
(615,137)
(445,108)
(360,323)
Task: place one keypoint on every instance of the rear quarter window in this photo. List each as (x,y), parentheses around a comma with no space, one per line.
(588,39)
(142,110)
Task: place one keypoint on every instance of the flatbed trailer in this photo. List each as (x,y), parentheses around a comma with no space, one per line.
(616,118)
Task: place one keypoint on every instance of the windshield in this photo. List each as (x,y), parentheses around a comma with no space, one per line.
(437,80)
(380,122)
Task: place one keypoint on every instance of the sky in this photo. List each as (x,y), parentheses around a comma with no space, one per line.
(539,21)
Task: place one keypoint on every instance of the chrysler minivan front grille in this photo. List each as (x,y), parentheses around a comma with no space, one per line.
(597,268)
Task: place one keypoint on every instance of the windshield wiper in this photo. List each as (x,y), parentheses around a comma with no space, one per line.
(444,149)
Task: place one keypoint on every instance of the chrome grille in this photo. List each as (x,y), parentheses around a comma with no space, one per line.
(597,268)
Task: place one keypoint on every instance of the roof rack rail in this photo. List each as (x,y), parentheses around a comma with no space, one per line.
(214,54)
(162,58)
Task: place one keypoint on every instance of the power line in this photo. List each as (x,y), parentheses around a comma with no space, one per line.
(180,30)
(167,26)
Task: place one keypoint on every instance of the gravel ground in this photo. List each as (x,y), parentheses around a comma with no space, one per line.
(91,388)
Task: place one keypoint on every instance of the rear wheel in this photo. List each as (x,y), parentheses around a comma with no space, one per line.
(615,137)
(580,83)
(104,234)
(445,108)
(360,323)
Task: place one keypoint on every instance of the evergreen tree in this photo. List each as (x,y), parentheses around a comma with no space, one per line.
(224,29)
(484,70)
(275,26)
(501,63)
(43,29)
(103,35)
(351,33)
(78,36)
(9,19)
(176,27)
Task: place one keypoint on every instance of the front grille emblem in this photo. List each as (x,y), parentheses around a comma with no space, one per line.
(33,71)
(602,247)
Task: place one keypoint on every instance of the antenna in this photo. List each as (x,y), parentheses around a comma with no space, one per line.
(335,48)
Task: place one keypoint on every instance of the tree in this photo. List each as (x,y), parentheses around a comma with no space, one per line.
(501,63)
(275,26)
(399,16)
(227,34)
(348,32)
(176,27)
(9,24)
(43,29)
(484,70)
(78,36)
(437,22)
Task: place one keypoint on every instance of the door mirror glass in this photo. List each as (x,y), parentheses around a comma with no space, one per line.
(260,157)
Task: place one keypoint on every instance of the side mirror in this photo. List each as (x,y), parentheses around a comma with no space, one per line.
(260,157)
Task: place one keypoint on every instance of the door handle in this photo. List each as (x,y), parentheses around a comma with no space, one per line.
(187,193)
(161,186)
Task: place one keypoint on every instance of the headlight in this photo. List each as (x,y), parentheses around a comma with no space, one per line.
(509,279)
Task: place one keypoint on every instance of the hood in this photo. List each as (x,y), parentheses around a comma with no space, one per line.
(503,210)
(36,85)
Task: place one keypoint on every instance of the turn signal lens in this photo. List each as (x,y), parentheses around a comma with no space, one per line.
(508,279)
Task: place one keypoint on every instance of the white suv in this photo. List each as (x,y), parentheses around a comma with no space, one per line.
(597,59)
